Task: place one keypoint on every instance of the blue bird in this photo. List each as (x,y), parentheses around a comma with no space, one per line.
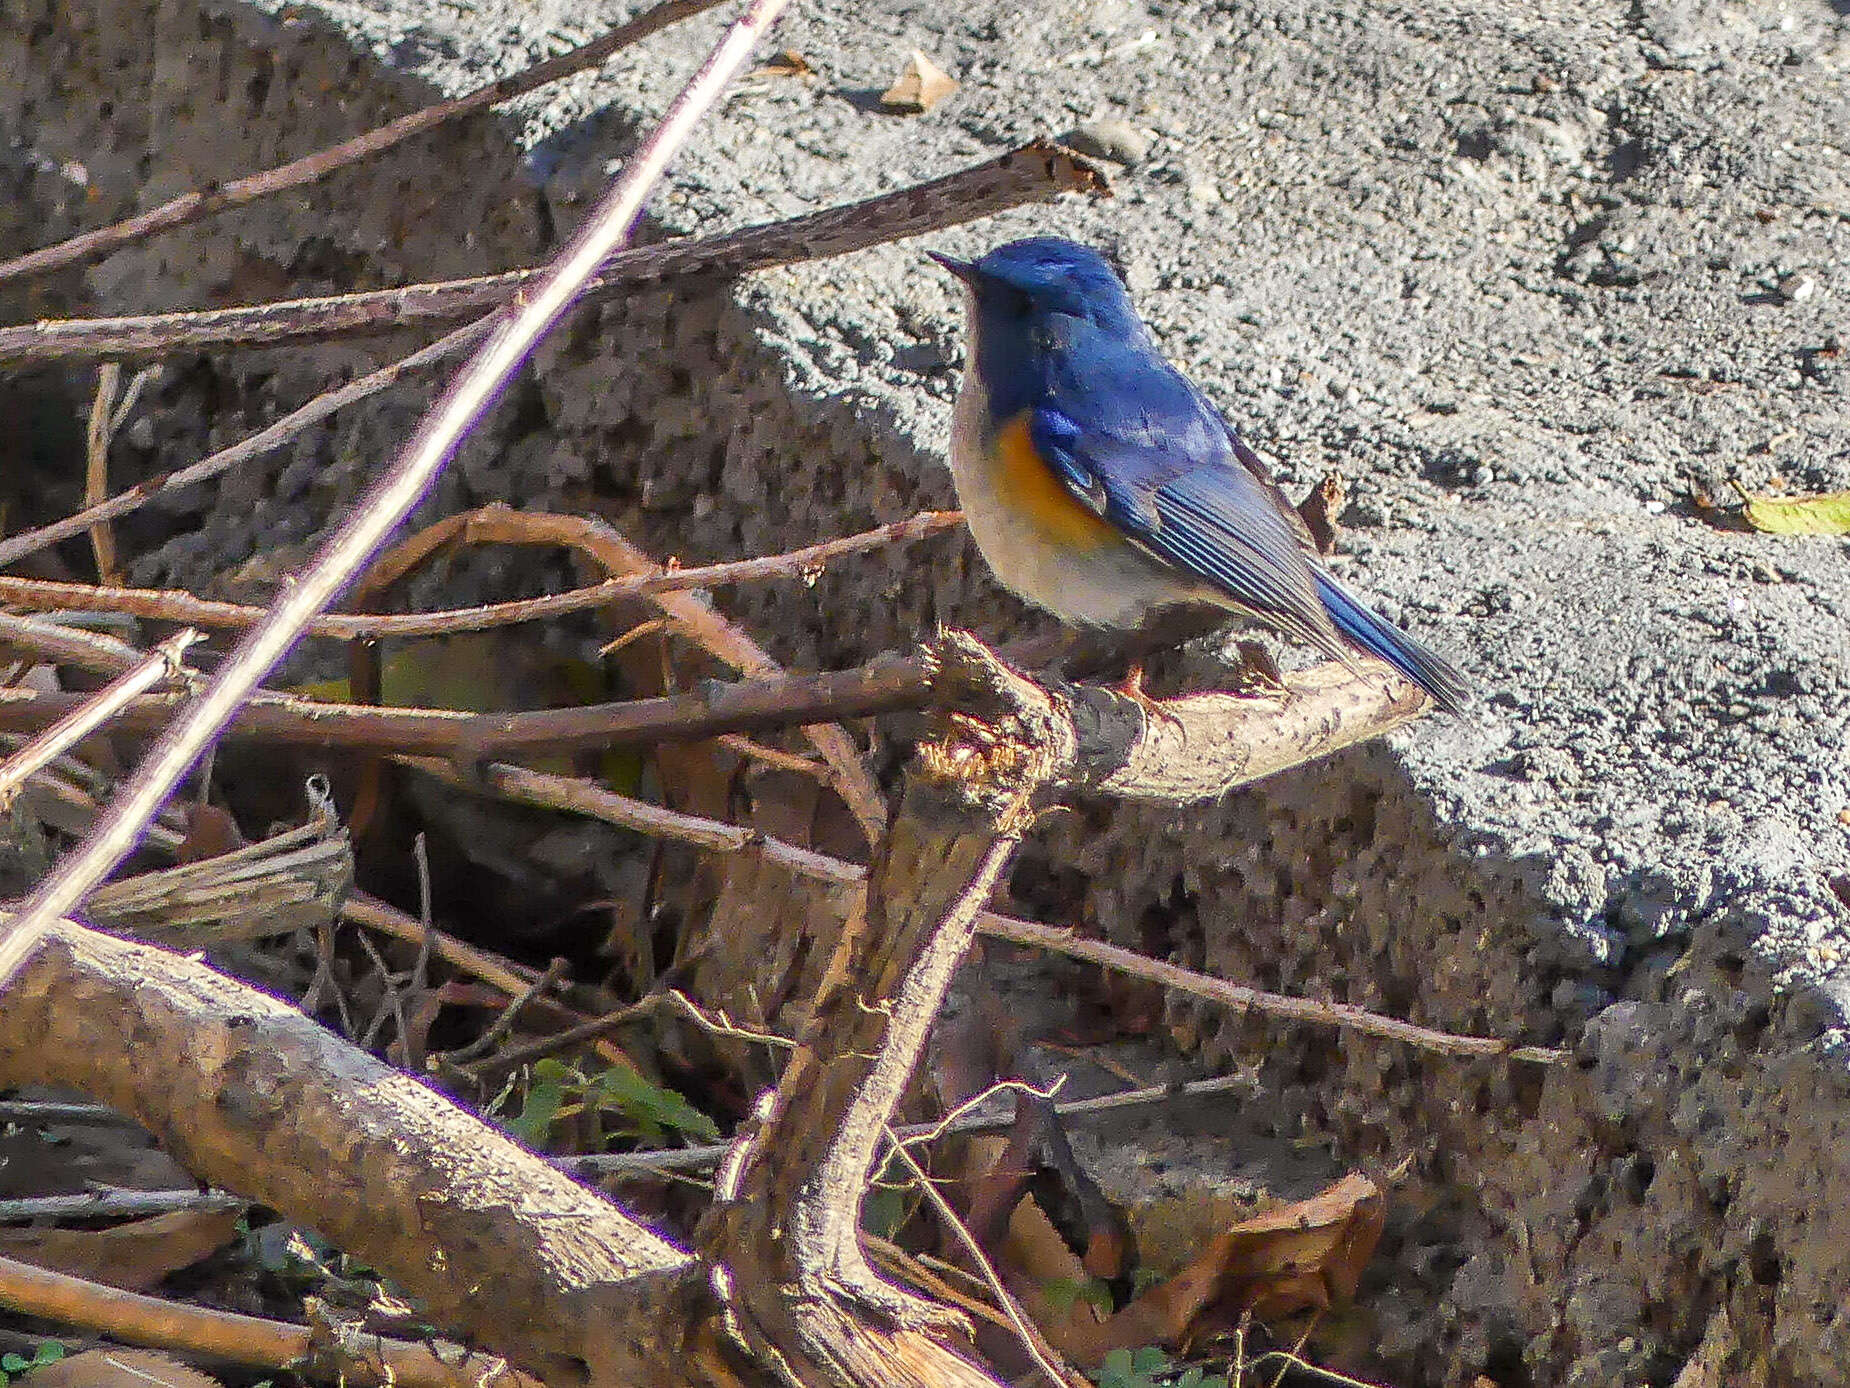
(1100,484)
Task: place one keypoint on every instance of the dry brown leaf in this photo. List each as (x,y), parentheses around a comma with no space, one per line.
(1050,1282)
(210,832)
(121,1368)
(921,85)
(1307,1254)
(1321,507)
(787,63)
(134,1256)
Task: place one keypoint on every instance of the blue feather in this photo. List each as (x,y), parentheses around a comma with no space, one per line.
(1379,637)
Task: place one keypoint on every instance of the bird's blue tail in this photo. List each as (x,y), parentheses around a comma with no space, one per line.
(1380,637)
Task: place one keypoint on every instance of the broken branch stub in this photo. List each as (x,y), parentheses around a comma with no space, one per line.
(783,1240)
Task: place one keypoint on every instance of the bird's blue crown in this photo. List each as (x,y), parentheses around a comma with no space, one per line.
(1034,298)
(1051,276)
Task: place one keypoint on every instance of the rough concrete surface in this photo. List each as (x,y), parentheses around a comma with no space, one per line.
(1529,274)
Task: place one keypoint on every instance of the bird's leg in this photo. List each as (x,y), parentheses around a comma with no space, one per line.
(1131,687)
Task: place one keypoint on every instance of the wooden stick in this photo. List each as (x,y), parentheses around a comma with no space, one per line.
(177,605)
(1035,172)
(206,202)
(147,1320)
(96,712)
(271,436)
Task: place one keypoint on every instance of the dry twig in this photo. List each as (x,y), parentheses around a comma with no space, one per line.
(511,978)
(107,417)
(422,460)
(1046,1358)
(202,203)
(1036,172)
(147,1320)
(174,605)
(96,712)
(115,1204)
(69,645)
(580,796)
(271,436)
(780,701)
(703,1158)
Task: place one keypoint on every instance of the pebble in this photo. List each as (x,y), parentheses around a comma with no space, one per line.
(1116,140)
(1798,286)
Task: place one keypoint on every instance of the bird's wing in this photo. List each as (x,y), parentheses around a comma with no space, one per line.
(1143,449)
(1254,464)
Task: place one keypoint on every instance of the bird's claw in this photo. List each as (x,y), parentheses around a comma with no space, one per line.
(1131,687)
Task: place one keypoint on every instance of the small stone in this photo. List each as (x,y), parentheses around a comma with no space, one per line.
(921,85)
(1116,140)
(1798,286)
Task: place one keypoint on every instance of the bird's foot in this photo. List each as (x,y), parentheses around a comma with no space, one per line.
(1131,687)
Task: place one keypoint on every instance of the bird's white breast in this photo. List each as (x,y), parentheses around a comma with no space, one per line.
(1110,584)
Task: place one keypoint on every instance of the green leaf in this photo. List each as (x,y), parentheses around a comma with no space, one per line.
(883,1212)
(48,1352)
(1149,1361)
(533,1124)
(1825,513)
(651,1107)
(551,1070)
(1062,1292)
(15,1363)
(1116,1371)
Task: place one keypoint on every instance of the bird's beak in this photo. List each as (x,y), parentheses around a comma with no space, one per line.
(963,269)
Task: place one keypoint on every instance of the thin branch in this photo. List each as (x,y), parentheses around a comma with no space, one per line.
(1046,1358)
(45,1111)
(1065,940)
(503,1025)
(147,1320)
(595,1029)
(584,797)
(473,393)
(749,705)
(363,910)
(1036,172)
(703,1158)
(116,1204)
(206,202)
(263,441)
(96,470)
(177,605)
(693,618)
(731,644)
(775,757)
(68,645)
(99,710)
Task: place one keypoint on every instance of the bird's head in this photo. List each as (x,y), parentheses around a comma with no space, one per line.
(1037,282)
